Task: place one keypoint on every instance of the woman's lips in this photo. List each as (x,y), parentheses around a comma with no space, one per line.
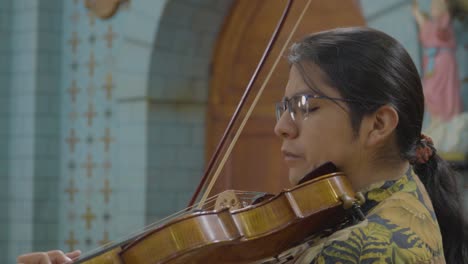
(291,157)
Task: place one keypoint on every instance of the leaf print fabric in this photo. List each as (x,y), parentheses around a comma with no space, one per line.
(401,227)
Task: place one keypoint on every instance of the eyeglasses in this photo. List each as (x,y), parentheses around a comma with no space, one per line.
(299,106)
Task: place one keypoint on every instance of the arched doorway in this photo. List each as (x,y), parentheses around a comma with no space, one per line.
(177,96)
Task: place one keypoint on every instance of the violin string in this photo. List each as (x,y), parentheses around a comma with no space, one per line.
(209,204)
(142,231)
(165,219)
(240,195)
(252,106)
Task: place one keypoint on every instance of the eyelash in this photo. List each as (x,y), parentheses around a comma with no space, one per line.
(312,109)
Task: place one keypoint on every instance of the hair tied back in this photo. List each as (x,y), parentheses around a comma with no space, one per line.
(424,151)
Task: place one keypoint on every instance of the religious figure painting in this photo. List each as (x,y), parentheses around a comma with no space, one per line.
(447,120)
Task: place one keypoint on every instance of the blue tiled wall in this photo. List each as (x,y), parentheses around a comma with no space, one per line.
(47,126)
(179,93)
(5,61)
(22,130)
(33,126)
(90,83)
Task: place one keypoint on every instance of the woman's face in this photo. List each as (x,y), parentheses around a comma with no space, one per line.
(324,134)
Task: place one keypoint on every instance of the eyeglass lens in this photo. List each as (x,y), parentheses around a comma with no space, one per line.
(298,107)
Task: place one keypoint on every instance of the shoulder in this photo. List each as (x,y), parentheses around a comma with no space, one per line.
(399,230)
(376,242)
(409,212)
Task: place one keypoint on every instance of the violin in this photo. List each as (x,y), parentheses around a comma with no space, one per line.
(248,234)
(242,232)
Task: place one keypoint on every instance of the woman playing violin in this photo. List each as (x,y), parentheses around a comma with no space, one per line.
(354,98)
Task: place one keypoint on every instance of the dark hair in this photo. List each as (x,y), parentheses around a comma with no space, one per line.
(369,67)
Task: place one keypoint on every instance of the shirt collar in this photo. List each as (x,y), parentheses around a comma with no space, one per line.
(377,192)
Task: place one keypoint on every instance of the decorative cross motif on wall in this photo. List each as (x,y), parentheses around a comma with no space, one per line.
(71,190)
(74,90)
(91,64)
(90,114)
(108,86)
(107,139)
(74,41)
(71,241)
(109,36)
(105,240)
(106,191)
(88,217)
(89,165)
(72,140)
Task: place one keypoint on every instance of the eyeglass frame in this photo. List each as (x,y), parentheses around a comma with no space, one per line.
(286,103)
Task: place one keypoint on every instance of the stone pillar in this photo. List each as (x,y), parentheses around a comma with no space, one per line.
(33,150)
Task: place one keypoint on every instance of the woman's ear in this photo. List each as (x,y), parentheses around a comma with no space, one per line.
(380,125)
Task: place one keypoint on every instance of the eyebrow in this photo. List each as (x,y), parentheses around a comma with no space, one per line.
(299,94)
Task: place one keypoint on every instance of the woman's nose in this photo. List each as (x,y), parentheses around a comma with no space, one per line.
(285,127)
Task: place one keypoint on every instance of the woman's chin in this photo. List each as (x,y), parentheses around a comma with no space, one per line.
(295,176)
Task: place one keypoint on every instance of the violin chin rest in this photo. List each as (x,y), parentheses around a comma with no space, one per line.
(326,168)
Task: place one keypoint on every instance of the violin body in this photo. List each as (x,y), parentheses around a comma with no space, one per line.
(243,235)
